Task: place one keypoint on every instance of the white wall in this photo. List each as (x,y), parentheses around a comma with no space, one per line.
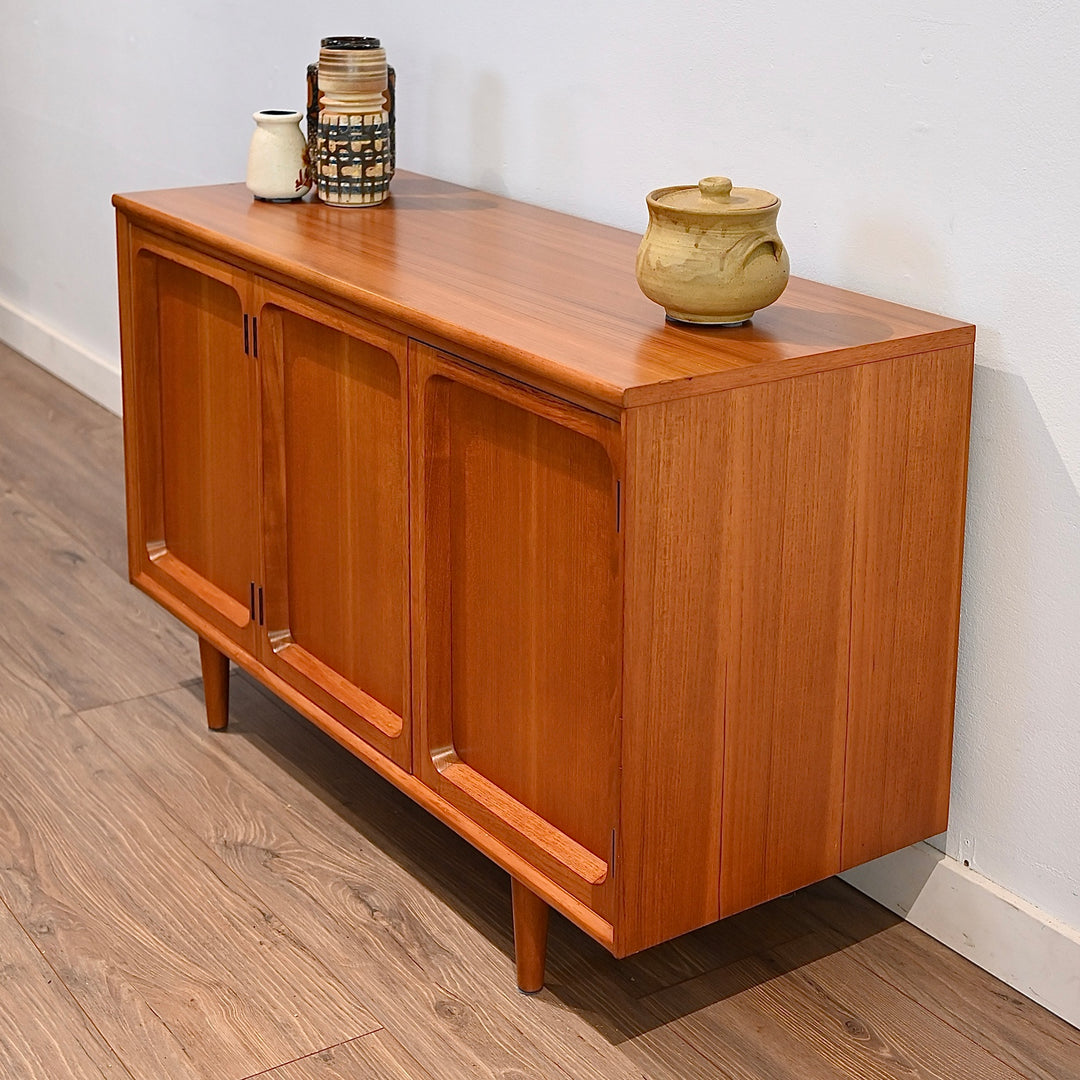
(927,152)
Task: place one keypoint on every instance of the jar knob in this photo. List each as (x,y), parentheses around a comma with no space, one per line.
(717,187)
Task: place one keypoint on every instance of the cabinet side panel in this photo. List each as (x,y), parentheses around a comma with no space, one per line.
(739,525)
(787,524)
(673,682)
(912,453)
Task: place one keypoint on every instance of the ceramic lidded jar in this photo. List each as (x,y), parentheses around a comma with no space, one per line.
(711,253)
(278,169)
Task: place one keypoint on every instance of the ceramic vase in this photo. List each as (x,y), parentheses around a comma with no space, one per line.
(278,168)
(337,44)
(354,150)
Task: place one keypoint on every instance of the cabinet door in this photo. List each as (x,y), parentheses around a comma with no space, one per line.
(336,508)
(518,615)
(191,396)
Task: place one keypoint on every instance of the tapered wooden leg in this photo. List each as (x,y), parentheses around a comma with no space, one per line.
(530,937)
(215,677)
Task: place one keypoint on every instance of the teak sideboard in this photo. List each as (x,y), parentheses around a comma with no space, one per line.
(662,619)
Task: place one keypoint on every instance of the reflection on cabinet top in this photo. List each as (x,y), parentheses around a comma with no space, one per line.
(548,298)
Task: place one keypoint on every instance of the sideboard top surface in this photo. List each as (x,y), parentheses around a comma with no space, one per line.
(540,294)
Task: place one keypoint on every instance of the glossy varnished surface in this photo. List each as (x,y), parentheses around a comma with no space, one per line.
(208,425)
(791,629)
(784,707)
(535,612)
(519,614)
(346,878)
(335,483)
(540,294)
(193,455)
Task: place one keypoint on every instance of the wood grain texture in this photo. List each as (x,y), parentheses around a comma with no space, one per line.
(530,938)
(44,1035)
(734,729)
(820,570)
(909,536)
(519,607)
(191,397)
(378,1056)
(335,437)
(689,955)
(64,453)
(492,846)
(198,981)
(208,426)
(549,297)
(1008,1025)
(742,749)
(215,677)
(78,623)
(807,1012)
(587,1023)
(787,564)
(583,979)
(440,983)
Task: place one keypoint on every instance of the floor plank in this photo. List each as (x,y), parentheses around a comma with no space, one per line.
(378,1056)
(806,1010)
(44,1035)
(180,967)
(1010,1026)
(90,635)
(65,454)
(441,983)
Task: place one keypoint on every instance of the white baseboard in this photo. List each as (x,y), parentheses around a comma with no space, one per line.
(992,927)
(92,375)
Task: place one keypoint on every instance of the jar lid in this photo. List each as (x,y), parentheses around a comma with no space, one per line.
(713,195)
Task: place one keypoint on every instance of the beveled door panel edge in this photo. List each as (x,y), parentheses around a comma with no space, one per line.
(167,563)
(269,293)
(435,761)
(202,262)
(517,816)
(492,366)
(148,555)
(357,711)
(315,671)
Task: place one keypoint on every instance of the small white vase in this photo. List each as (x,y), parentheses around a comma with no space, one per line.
(278,169)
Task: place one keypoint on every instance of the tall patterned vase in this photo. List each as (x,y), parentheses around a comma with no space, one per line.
(353,144)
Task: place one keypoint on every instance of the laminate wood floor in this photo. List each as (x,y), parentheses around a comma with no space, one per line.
(179,903)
